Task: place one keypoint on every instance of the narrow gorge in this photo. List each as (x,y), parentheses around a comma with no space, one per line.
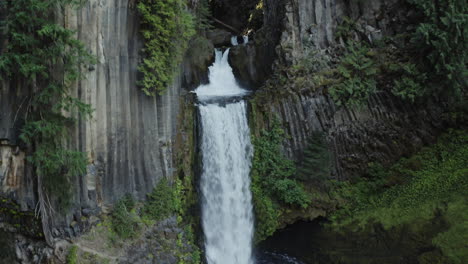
(233,131)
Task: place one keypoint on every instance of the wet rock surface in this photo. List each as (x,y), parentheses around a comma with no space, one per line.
(219,37)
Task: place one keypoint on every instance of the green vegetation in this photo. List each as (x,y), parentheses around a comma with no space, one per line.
(24,222)
(441,41)
(410,86)
(357,71)
(45,57)
(161,202)
(72,255)
(431,59)
(316,163)
(125,221)
(275,170)
(430,183)
(167,26)
(129,218)
(273,181)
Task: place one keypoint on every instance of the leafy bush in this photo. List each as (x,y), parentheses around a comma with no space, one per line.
(266,211)
(161,202)
(167,26)
(202,18)
(125,221)
(272,181)
(435,57)
(275,170)
(442,43)
(291,192)
(345,29)
(357,71)
(45,58)
(411,85)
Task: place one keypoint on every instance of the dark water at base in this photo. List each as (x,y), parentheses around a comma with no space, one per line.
(312,243)
(276,258)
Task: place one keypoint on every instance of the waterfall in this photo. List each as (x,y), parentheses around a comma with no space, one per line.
(227,216)
(234,41)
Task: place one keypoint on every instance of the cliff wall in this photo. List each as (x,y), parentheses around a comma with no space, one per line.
(129,138)
(383,129)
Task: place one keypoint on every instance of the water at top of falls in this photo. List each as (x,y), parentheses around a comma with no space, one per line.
(234,41)
(222,81)
(227,216)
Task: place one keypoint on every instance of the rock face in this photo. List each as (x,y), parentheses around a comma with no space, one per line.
(384,129)
(253,63)
(235,13)
(219,37)
(313,24)
(128,140)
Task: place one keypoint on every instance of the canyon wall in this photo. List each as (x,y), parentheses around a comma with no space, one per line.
(383,129)
(129,138)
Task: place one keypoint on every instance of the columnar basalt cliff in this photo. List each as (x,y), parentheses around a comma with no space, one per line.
(383,129)
(128,141)
(129,137)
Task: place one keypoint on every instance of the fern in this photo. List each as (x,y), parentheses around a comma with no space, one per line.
(442,42)
(357,71)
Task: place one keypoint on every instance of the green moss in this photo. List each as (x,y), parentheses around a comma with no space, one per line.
(453,241)
(25,222)
(416,190)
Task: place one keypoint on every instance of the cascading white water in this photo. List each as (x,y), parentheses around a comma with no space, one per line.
(234,41)
(227,217)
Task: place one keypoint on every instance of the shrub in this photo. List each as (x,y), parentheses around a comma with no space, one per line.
(357,71)
(345,29)
(411,85)
(441,41)
(291,192)
(162,202)
(167,26)
(266,212)
(272,181)
(125,221)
